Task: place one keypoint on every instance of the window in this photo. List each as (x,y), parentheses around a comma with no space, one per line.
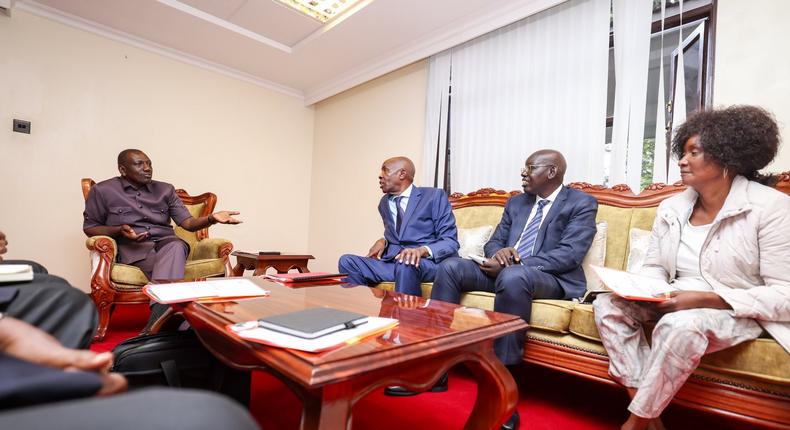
(695,27)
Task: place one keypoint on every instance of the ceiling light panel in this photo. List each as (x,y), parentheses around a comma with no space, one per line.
(322,10)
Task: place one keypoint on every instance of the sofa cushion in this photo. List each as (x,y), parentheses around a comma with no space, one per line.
(596,256)
(477,216)
(472,240)
(390,286)
(128,277)
(204,268)
(551,315)
(761,358)
(190,237)
(620,221)
(583,323)
(478,299)
(472,299)
(638,242)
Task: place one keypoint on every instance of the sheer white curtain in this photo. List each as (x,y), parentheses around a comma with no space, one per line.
(436,120)
(679,102)
(631,20)
(538,83)
(660,147)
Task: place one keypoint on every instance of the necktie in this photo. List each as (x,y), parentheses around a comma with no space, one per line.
(399,214)
(530,234)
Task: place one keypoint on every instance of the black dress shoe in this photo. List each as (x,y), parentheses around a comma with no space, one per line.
(439,387)
(512,423)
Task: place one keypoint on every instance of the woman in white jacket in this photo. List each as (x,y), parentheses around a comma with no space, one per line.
(723,244)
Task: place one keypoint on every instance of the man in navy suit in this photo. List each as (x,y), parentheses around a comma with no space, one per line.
(419,232)
(535,252)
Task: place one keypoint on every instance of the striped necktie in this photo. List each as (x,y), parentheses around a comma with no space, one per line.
(530,234)
(399,214)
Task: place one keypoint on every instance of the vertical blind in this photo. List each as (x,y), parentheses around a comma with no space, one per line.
(538,83)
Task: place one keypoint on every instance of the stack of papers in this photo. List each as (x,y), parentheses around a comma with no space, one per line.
(252,331)
(16,273)
(632,286)
(178,292)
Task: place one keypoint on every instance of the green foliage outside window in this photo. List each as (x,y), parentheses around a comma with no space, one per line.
(648,149)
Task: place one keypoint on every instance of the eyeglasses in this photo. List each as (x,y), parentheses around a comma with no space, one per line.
(531,168)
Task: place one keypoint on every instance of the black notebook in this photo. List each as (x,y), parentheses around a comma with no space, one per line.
(314,322)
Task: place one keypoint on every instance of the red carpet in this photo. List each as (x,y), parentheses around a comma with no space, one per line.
(547,399)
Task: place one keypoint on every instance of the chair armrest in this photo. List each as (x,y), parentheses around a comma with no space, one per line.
(103,245)
(103,251)
(212,247)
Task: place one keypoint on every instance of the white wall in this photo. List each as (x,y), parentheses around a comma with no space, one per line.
(89,97)
(752,65)
(354,133)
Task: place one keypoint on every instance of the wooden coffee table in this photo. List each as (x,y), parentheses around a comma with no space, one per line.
(431,337)
(260,263)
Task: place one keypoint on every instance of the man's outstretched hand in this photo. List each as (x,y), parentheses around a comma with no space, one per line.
(128,232)
(226,217)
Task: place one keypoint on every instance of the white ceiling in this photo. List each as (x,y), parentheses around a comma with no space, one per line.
(269,44)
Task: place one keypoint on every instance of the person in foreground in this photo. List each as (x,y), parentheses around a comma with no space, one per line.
(419,232)
(724,246)
(136,211)
(44,384)
(535,252)
(48,302)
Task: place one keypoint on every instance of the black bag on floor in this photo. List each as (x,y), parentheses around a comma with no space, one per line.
(178,359)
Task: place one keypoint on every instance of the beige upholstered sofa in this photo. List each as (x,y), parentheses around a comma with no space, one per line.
(750,382)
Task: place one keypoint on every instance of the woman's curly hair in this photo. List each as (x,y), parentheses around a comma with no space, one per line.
(742,139)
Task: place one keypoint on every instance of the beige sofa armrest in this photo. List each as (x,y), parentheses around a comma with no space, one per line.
(212,248)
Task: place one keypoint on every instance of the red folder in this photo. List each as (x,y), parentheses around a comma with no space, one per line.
(306,277)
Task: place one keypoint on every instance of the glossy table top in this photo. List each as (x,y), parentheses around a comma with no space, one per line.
(425,327)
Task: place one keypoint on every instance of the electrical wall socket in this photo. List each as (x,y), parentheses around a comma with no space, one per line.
(21,126)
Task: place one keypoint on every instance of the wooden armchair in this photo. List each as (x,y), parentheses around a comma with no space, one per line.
(119,284)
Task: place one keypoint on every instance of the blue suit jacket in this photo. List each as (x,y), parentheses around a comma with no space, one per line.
(428,221)
(563,239)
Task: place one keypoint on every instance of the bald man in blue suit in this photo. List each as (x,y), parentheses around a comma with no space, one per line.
(419,232)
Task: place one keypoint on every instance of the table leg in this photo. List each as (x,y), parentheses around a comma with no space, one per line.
(328,408)
(497,393)
(260,269)
(238,269)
